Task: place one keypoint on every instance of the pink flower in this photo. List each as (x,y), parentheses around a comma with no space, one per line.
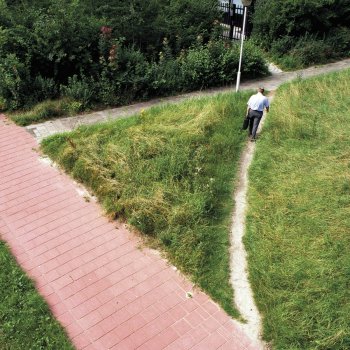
(106,31)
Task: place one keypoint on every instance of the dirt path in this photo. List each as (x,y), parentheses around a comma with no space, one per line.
(243,293)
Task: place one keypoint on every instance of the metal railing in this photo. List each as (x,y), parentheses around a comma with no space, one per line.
(232,20)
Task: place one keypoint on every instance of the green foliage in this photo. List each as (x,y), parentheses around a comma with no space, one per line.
(111,53)
(144,24)
(298,219)
(44,88)
(299,33)
(81,90)
(13,81)
(188,19)
(198,68)
(216,64)
(170,173)
(126,75)
(25,320)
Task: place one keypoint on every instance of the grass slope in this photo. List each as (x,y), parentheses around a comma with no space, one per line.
(46,110)
(25,319)
(299,216)
(170,173)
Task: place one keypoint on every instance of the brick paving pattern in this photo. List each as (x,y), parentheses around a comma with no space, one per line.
(104,289)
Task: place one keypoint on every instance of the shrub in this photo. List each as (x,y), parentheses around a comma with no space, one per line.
(130,77)
(81,90)
(131,80)
(164,78)
(308,31)
(107,90)
(217,63)
(310,50)
(13,81)
(254,64)
(44,88)
(197,68)
(339,40)
(3,104)
(282,45)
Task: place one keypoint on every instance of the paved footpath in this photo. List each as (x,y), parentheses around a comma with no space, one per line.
(105,290)
(41,130)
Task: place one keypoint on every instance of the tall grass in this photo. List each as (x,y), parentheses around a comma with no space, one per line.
(47,110)
(298,237)
(25,320)
(169,172)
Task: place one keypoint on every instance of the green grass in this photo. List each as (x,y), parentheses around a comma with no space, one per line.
(25,319)
(298,226)
(170,173)
(46,110)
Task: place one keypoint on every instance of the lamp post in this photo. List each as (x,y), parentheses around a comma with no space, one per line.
(246,3)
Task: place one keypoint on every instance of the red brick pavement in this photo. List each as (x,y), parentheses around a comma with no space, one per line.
(106,291)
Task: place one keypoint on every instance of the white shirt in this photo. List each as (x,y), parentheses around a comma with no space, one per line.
(258,102)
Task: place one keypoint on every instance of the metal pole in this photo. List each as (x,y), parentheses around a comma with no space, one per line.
(241,52)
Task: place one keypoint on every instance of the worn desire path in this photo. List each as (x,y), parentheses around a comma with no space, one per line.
(243,294)
(104,289)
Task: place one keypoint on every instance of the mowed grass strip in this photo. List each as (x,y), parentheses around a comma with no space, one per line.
(298,237)
(170,173)
(25,319)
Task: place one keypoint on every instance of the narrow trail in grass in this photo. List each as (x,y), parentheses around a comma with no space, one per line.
(243,294)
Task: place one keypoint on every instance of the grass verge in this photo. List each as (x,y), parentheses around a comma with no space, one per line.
(25,319)
(170,173)
(47,110)
(299,216)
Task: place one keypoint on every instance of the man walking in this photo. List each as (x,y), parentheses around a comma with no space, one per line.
(255,109)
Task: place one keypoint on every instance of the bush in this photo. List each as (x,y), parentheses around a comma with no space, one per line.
(107,90)
(91,54)
(309,50)
(14,77)
(339,40)
(254,64)
(197,68)
(164,78)
(82,90)
(282,45)
(298,33)
(217,63)
(130,76)
(44,88)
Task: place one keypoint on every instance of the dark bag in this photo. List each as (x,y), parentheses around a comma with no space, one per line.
(245,123)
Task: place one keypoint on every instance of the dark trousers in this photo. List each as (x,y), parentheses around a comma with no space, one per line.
(254,120)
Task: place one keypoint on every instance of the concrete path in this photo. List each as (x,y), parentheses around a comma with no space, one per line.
(105,288)
(42,130)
